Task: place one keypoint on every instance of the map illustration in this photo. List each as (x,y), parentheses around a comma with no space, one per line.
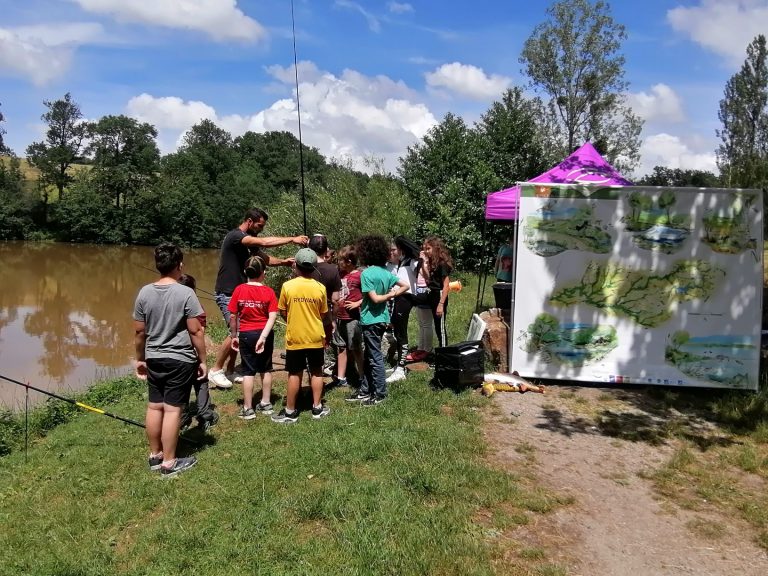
(655,227)
(555,228)
(724,359)
(727,231)
(571,344)
(644,296)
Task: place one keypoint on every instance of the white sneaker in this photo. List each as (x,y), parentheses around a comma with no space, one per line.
(238,379)
(218,379)
(399,374)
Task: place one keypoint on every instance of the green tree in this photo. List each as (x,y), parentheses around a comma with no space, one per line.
(63,143)
(125,156)
(14,212)
(87,215)
(4,150)
(514,140)
(447,177)
(676,177)
(574,58)
(277,156)
(743,154)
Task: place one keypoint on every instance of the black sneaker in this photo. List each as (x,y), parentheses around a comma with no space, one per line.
(155,462)
(179,466)
(186,422)
(265,409)
(206,425)
(284,417)
(373,401)
(357,397)
(320,412)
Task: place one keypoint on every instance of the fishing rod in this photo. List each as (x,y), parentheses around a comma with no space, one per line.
(86,406)
(298,112)
(73,402)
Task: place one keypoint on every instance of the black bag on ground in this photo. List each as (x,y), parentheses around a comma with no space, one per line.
(459,366)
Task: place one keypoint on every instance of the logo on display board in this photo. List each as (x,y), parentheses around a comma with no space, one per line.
(542,191)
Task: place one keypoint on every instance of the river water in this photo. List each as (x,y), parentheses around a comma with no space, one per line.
(65,312)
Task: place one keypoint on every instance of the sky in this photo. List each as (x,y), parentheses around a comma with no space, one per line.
(374,75)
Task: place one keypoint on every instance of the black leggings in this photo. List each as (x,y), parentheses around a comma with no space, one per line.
(400,316)
(440,327)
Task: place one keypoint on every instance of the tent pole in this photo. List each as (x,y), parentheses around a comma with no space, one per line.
(511,335)
(483,267)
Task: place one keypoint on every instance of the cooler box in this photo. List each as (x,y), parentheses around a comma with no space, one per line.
(460,366)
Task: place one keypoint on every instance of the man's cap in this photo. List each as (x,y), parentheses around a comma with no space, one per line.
(306,259)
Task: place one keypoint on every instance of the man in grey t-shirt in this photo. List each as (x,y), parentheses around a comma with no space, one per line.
(170,355)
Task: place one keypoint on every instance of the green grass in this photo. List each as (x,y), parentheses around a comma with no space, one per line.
(401,488)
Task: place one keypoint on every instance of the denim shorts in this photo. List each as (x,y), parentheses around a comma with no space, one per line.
(222,301)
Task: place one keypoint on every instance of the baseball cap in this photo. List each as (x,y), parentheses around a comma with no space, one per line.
(306,259)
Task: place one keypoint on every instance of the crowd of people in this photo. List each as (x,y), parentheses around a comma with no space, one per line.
(342,310)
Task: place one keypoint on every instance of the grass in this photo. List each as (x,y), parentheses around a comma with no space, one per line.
(407,487)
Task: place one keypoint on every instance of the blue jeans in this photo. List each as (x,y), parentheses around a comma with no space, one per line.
(375,380)
(222,301)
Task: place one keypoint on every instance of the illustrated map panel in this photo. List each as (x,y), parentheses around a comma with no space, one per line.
(639,285)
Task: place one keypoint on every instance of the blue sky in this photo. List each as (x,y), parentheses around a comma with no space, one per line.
(375,75)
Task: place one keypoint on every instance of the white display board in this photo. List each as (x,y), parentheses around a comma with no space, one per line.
(639,285)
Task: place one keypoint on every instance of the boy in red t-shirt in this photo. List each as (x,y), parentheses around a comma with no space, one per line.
(253,310)
(348,337)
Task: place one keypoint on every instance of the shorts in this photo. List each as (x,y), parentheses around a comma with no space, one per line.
(170,381)
(256,363)
(222,301)
(348,335)
(296,361)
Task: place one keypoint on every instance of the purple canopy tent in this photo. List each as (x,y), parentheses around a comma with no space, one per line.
(584,166)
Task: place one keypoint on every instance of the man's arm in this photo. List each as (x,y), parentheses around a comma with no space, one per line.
(272,241)
(140,341)
(197,335)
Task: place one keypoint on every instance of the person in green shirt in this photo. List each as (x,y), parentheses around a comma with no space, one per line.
(378,286)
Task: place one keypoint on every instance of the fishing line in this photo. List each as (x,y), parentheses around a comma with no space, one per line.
(198,288)
(298,112)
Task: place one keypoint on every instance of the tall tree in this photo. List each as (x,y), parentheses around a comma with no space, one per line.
(63,143)
(743,155)
(14,213)
(574,58)
(446,177)
(4,150)
(125,156)
(517,144)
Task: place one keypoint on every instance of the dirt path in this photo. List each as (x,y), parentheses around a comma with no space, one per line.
(617,525)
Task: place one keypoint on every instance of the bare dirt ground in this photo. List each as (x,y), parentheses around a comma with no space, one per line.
(617,524)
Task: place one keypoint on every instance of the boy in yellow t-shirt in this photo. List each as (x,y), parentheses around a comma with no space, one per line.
(303,303)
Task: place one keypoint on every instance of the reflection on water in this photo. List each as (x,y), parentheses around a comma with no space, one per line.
(65,311)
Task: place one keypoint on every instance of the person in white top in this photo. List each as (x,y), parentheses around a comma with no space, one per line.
(407,264)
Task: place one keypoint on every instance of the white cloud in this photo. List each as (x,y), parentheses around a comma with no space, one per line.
(399,7)
(661,104)
(44,52)
(220,19)
(673,152)
(723,26)
(373,21)
(468,80)
(347,116)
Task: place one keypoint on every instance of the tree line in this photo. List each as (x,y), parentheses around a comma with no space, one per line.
(106,181)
